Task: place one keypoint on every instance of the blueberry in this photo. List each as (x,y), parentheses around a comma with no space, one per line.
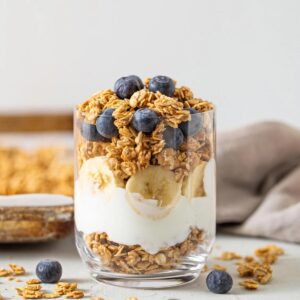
(105,124)
(90,133)
(125,87)
(162,84)
(173,137)
(193,126)
(138,81)
(49,271)
(145,120)
(219,282)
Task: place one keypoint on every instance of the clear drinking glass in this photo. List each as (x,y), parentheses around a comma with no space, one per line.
(155,228)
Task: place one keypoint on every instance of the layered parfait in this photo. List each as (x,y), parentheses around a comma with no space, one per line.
(145,184)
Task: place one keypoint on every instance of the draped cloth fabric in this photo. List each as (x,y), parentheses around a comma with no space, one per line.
(258,181)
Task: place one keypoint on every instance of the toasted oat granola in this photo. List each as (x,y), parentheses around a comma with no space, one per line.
(132,151)
(249,284)
(219,268)
(135,260)
(33,281)
(42,171)
(227,255)
(269,254)
(17,270)
(33,290)
(62,288)
(75,294)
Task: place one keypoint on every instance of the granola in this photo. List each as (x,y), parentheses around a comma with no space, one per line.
(135,260)
(219,268)
(43,170)
(33,290)
(227,255)
(269,254)
(249,284)
(141,150)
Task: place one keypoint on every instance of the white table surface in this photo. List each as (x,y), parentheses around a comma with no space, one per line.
(285,282)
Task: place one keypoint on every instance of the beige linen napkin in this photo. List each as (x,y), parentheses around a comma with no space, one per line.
(258,181)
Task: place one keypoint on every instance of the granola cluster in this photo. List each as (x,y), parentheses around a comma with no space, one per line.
(45,170)
(14,270)
(131,150)
(256,269)
(135,260)
(33,290)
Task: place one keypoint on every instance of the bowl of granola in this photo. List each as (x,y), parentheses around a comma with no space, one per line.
(145,183)
(36,190)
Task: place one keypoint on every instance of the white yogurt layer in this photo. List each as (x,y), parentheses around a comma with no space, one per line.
(112,212)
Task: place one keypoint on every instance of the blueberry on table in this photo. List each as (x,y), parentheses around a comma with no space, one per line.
(173,137)
(125,87)
(162,84)
(145,120)
(219,282)
(49,271)
(105,124)
(90,133)
(193,126)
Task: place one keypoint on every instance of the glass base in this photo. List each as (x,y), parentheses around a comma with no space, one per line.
(153,281)
(185,272)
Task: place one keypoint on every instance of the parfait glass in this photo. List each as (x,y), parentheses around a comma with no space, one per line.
(145,204)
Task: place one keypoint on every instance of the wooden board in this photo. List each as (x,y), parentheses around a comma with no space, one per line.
(36,122)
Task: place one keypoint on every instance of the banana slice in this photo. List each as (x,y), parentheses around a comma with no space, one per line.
(153,192)
(95,172)
(193,184)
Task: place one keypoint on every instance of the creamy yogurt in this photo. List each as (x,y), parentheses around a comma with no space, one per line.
(111,212)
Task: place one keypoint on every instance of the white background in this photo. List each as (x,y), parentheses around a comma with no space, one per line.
(242,54)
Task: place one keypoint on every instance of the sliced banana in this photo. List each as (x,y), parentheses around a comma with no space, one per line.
(193,185)
(95,172)
(153,192)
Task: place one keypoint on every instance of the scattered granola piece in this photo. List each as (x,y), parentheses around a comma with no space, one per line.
(97,298)
(62,288)
(29,294)
(10,278)
(32,287)
(227,255)
(269,254)
(33,281)
(19,280)
(249,284)
(248,258)
(19,291)
(205,269)
(219,267)
(247,269)
(1,298)
(132,298)
(4,272)
(17,270)
(273,249)
(263,273)
(75,294)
